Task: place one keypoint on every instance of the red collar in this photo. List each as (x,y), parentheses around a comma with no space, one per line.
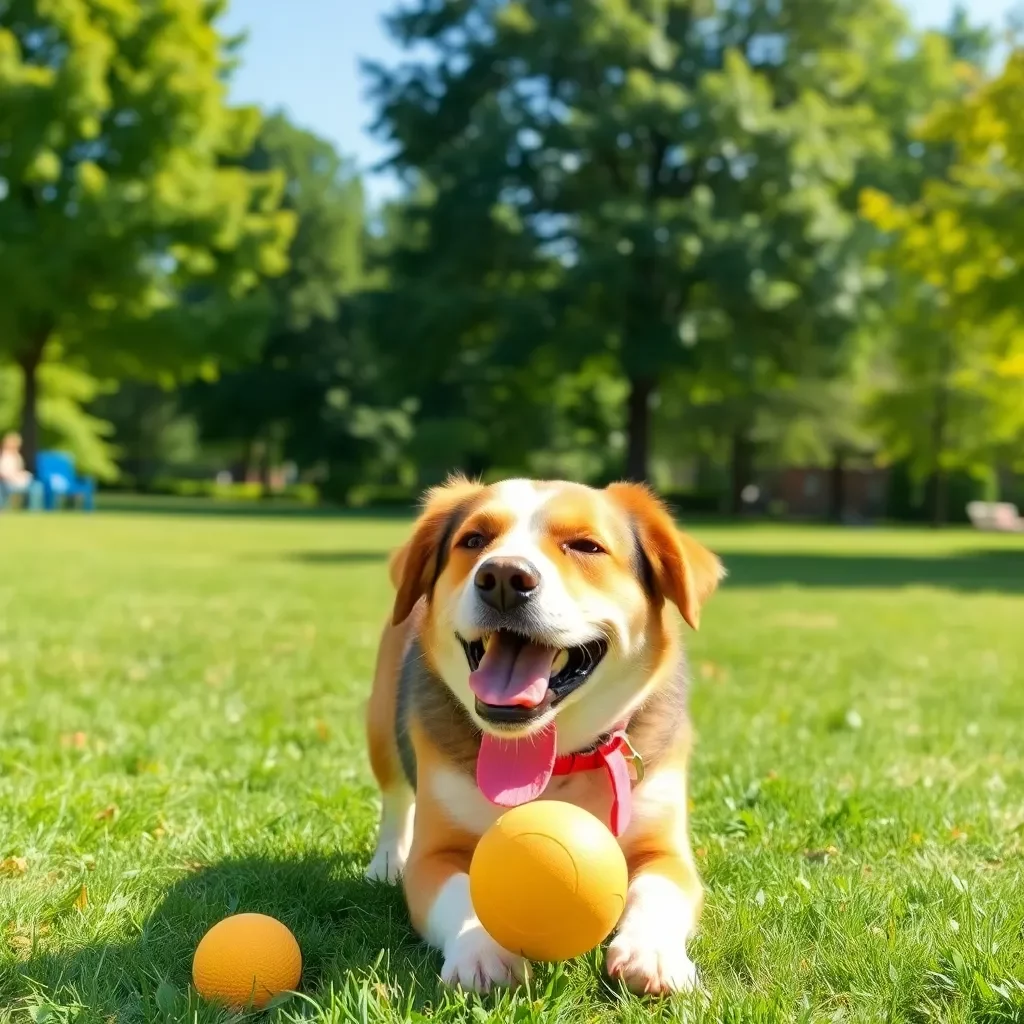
(614,754)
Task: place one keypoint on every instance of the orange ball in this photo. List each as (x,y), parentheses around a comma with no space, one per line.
(246,960)
(548,880)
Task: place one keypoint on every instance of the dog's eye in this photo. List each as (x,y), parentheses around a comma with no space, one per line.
(586,547)
(473,541)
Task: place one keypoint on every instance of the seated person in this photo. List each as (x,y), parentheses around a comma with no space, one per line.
(14,478)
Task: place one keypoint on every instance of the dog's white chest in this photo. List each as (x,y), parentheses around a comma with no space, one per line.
(471,810)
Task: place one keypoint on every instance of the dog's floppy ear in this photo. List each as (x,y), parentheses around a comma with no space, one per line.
(674,564)
(415,567)
(396,565)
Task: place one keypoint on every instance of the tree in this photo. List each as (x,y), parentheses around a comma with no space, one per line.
(958,395)
(317,391)
(66,418)
(129,233)
(674,176)
(154,436)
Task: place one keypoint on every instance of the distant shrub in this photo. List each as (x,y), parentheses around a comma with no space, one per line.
(700,502)
(306,494)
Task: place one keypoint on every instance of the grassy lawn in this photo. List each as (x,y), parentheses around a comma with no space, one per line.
(180,738)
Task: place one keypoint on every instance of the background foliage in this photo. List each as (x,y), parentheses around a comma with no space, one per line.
(688,241)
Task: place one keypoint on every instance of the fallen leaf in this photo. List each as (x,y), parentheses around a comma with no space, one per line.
(323,731)
(77,740)
(107,813)
(828,851)
(11,866)
(217,675)
(701,853)
(82,899)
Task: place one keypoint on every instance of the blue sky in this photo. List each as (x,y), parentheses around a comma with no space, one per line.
(303,56)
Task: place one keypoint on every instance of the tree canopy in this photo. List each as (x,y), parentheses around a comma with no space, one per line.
(693,241)
(956,400)
(675,180)
(130,232)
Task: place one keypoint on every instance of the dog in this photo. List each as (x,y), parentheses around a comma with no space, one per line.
(531,652)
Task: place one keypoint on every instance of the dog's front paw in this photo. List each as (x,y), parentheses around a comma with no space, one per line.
(649,964)
(474,961)
(387,864)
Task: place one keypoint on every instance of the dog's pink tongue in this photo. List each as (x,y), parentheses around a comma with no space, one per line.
(514,771)
(512,672)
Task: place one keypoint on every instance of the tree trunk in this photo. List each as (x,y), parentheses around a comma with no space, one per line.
(837,486)
(266,465)
(940,498)
(939,478)
(740,470)
(29,361)
(638,428)
(250,461)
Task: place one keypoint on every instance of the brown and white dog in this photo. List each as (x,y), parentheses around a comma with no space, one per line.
(530,652)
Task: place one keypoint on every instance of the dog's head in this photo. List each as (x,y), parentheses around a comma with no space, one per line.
(546,598)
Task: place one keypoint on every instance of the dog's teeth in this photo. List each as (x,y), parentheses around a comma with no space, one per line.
(561,660)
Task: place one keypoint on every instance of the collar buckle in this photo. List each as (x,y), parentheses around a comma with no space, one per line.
(634,758)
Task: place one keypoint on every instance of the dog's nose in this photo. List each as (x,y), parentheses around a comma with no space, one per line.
(506,583)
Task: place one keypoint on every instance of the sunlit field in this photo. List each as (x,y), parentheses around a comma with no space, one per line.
(181,738)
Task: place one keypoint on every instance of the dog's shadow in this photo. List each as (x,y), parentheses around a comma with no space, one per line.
(346,927)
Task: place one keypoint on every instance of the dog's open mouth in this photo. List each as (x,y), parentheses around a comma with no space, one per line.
(515,679)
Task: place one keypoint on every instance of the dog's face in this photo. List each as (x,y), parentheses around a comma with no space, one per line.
(545,596)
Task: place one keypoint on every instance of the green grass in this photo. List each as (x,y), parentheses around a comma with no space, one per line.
(180,738)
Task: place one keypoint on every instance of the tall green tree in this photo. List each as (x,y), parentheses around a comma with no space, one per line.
(316,390)
(129,231)
(770,408)
(956,401)
(67,419)
(674,175)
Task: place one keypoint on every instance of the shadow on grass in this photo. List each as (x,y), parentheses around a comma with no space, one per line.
(999,571)
(342,922)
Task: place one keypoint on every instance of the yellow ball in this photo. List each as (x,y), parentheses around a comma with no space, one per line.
(548,880)
(246,960)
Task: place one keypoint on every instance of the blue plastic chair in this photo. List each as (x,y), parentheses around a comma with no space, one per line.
(56,472)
